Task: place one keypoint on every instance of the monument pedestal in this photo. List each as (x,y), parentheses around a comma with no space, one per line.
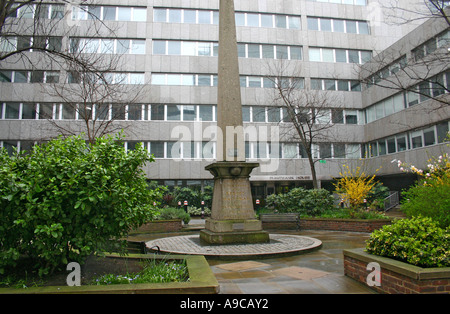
(232,215)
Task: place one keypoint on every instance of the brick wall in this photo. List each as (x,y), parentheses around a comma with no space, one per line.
(161,226)
(353,225)
(400,280)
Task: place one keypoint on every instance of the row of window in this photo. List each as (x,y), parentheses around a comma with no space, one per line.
(192,16)
(162,112)
(353,2)
(333,85)
(338,25)
(41,10)
(410,140)
(13,43)
(317,54)
(387,71)
(431,45)
(18,76)
(107,46)
(434,87)
(211,49)
(109,13)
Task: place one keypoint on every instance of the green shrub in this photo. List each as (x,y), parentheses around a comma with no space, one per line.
(308,202)
(430,200)
(168,213)
(197,211)
(65,200)
(417,241)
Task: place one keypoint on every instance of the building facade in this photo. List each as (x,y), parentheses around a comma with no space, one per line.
(168,52)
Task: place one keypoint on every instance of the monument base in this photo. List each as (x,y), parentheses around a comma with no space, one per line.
(236,237)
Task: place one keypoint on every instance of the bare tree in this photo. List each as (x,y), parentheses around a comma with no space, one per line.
(48,35)
(403,12)
(308,110)
(420,72)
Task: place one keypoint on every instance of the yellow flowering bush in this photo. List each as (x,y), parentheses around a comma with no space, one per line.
(354,186)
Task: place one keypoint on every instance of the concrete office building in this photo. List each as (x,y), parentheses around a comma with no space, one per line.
(170,49)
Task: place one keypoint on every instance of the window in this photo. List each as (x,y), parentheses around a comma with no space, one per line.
(174,16)
(325,25)
(401,143)
(416,139)
(173,112)
(351,117)
(206,113)
(252,20)
(12,110)
(160,15)
(268,51)
(273,115)
(314,54)
(351,27)
(259,114)
(109,13)
(429,136)
(157,149)
(29,111)
(327,55)
(134,112)
(337,116)
(157,112)
(189,113)
(313,23)
(266,20)
(190,16)
(338,26)
(341,55)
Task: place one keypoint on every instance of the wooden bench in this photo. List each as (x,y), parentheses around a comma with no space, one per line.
(280,221)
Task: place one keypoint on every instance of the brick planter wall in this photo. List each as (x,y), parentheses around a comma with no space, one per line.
(397,277)
(352,225)
(160,226)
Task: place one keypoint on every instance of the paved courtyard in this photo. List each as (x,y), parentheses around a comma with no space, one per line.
(318,272)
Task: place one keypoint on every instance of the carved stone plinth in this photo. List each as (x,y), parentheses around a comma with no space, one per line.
(232,215)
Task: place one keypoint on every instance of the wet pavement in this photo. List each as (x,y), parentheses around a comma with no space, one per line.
(318,272)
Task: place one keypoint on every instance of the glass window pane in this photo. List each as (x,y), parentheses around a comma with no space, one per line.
(254,81)
(280,21)
(138,47)
(189,112)
(159,47)
(139,14)
(68,112)
(296,53)
(365,56)
(157,112)
(204,17)
(253,51)
(124,14)
(206,113)
(204,49)
(314,54)
(20,76)
(442,132)
(282,52)
(208,150)
(325,150)
(259,114)
(343,85)
(325,25)
(290,150)
(174,48)
(401,143)
(353,56)
(94,12)
(189,48)
(273,115)
(157,149)
(327,55)
(351,117)
(294,22)
(29,111)
(159,15)
(6,76)
(363,28)
(351,26)
(268,51)
(109,13)
(246,113)
(416,139)
(266,20)
(134,112)
(240,19)
(429,137)
(341,55)
(123,46)
(190,16)
(46,111)
(12,110)
(316,84)
(173,112)
(337,116)
(188,80)
(252,20)
(313,23)
(174,16)
(107,46)
(338,26)
(204,80)
(330,85)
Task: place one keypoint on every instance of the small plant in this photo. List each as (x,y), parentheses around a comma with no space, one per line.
(418,241)
(168,213)
(154,271)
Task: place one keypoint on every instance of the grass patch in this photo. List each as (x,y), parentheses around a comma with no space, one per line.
(153,272)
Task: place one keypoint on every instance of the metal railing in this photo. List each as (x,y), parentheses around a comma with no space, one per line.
(391,201)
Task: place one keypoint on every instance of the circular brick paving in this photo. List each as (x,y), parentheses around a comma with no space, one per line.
(280,244)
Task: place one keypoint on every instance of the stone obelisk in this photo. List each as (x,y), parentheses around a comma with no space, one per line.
(232,214)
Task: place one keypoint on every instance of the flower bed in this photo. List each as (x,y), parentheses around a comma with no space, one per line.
(396,277)
(201,281)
